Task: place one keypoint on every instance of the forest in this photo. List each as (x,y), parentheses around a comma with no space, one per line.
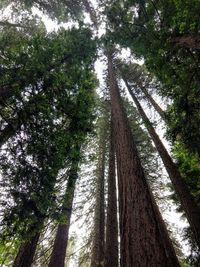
(99,133)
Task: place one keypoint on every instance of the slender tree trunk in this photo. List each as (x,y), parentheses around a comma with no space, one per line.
(187,201)
(111,247)
(61,240)
(144,238)
(160,111)
(97,258)
(26,252)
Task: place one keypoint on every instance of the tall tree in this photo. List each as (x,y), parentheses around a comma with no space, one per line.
(111,246)
(144,238)
(144,26)
(62,235)
(142,80)
(26,252)
(98,243)
(188,203)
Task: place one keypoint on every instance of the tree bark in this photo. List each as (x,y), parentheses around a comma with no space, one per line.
(61,240)
(144,238)
(26,252)
(111,247)
(188,203)
(98,249)
(186,41)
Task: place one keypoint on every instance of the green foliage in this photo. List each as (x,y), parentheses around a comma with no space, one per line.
(149,28)
(62,10)
(57,99)
(189,167)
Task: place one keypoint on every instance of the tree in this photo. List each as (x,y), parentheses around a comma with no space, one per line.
(148,28)
(98,243)
(111,245)
(186,199)
(62,235)
(135,198)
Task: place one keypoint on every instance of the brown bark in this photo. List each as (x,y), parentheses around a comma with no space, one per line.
(188,203)
(26,252)
(186,41)
(61,240)
(111,247)
(144,238)
(97,258)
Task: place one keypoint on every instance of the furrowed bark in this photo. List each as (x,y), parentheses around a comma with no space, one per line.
(26,252)
(111,247)
(61,240)
(144,238)
(188,203)
(98,250)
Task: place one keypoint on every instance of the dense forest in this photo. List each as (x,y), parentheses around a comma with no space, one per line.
(99,133)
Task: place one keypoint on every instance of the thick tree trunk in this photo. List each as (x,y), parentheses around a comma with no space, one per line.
(111,247)
(144,239)
(61,240)
(26,252)
(187,201)
(186,41)
(98,249)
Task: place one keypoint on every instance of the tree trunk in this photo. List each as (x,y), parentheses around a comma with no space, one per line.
(144,238)
(160,111)
(26,252)
(97,258)
(111,247)
(61,240)
(186,41)
(187,201)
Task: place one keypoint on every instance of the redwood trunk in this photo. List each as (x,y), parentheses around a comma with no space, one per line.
(60,244)
(144,239)
(26,252)
(187,201)
(111,247)
(97,258)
